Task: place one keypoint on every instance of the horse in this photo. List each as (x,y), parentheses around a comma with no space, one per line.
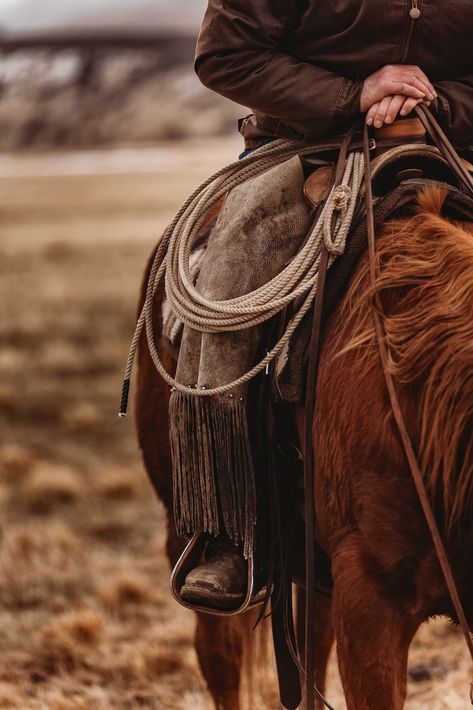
(386,577)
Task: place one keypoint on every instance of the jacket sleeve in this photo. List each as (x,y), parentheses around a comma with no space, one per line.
(240,55)
(456,109)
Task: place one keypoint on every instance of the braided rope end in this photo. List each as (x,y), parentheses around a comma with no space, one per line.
(124,400)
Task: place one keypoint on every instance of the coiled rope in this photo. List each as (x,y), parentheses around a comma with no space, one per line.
(298,280)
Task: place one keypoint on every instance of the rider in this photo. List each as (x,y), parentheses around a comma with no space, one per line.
(308,69)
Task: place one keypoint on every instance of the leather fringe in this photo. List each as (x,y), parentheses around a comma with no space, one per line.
(213,472)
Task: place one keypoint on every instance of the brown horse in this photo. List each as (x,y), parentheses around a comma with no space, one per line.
(387,580)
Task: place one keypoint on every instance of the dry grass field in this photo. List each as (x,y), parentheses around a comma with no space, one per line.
(86,620)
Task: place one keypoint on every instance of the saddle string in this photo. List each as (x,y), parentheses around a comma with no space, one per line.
(297,280)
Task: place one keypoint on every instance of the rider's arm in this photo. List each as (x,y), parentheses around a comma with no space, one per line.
(239,55)
(456,108)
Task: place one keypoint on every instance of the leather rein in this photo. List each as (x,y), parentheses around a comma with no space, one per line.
(450,155)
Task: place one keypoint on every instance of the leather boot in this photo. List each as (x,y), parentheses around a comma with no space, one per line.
(220,582)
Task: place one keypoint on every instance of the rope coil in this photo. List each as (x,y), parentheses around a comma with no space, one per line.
(297,281)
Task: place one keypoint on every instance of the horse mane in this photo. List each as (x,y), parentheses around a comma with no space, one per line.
(425,288)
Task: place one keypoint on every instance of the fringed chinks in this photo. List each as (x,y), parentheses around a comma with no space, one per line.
(214,479)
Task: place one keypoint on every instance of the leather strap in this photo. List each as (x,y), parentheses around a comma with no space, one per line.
(309,464)
(398,415)
(309,482)
(284,641)
(445,147)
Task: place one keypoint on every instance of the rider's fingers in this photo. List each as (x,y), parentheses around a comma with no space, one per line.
(409,106)
(372,113)
(407,90)
(395,106)
(383,108)
(424,86)
(425,80)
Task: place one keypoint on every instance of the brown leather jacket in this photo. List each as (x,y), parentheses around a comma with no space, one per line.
(300,64)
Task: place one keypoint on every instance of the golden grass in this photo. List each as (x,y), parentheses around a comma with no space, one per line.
(50,486)
(161,661)
(107,529)
(9,402)
(15,462)
(84,627)
(119,485)
(9,696)
(59,703)
(125,592)
(86,618)
(67,643)
(84,417)
(61,358)
(42,564)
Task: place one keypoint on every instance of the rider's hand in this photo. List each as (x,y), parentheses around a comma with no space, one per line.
(396,80)
(387,110)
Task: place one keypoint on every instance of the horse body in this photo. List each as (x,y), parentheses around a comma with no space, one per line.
(387,580)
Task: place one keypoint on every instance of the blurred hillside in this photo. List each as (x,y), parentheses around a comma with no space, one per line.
(176,15)
(99,93)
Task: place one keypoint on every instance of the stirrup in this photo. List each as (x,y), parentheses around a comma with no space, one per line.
(190,559)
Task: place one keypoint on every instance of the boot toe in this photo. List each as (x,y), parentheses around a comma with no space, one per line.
(218,583)
(204,577)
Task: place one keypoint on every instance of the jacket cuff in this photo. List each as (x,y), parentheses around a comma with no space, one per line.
(347,106)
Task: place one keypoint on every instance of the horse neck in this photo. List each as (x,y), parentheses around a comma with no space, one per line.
(425,286)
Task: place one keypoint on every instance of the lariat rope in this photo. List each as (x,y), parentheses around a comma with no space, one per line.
(298,280)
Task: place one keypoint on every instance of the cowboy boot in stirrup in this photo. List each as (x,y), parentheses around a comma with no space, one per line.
(220,581)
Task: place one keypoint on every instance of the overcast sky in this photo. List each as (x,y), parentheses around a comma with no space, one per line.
(24,15)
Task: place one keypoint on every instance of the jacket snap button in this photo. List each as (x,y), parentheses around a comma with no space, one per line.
(415,13)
